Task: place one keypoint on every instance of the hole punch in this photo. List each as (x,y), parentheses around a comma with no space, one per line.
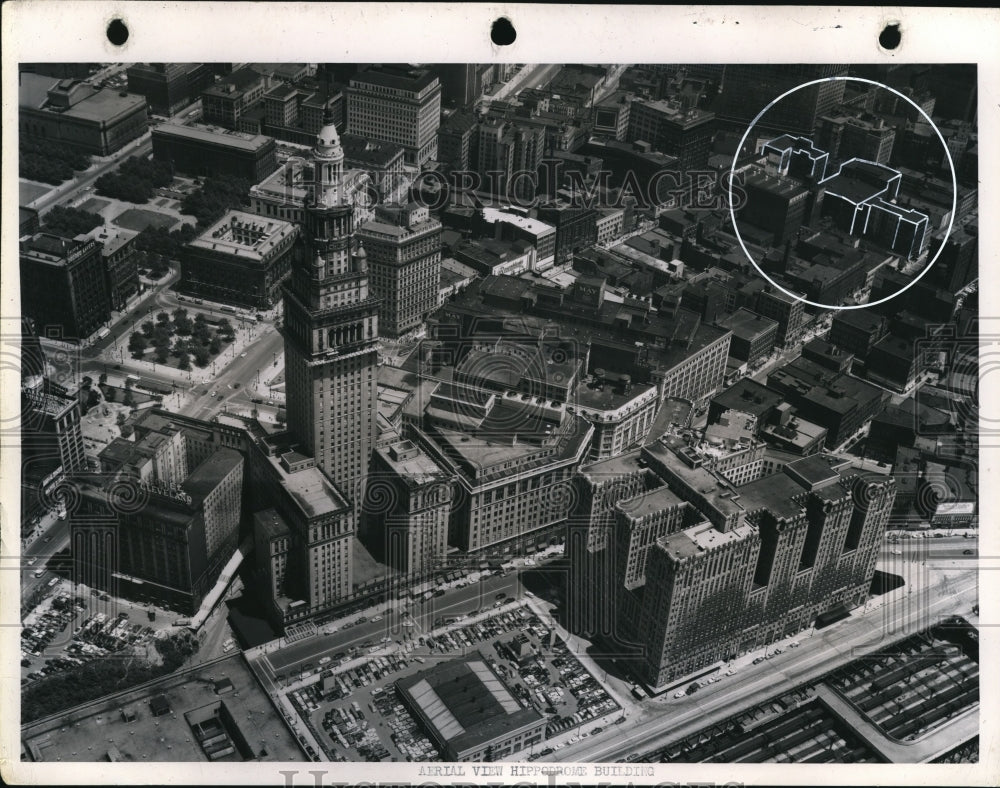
(890,36)
(117,32)
(503,33)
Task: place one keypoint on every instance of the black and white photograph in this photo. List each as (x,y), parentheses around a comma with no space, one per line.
(467,422)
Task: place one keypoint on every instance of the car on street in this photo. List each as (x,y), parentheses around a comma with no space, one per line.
(758,660)
(376,618)
(679,694)
(730,672)
(896,552)
(794,644)
(966,552)
(325,660)
(31,561)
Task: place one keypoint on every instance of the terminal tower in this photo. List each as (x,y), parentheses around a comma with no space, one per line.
(330,331)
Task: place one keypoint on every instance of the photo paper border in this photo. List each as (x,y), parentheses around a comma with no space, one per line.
(49,30)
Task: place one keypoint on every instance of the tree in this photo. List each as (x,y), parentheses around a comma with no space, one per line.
(148,328)
(201,355)
(201,333)
(182,323)
(102,379)
(136,346)
(163,318)
(226,327)
(162,353)
(109,393)
(215,345)
(129,399)
(161,336)
(184,361)
(121,418)
(70,222)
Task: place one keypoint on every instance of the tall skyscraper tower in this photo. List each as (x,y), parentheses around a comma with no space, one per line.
(330,331)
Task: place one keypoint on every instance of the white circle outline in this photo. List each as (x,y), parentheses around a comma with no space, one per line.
(954,192)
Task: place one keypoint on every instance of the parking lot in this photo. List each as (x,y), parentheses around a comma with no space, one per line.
(73,625)
(71,630)
(351,706)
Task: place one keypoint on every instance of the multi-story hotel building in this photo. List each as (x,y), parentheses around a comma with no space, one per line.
(397,104)
(146,527)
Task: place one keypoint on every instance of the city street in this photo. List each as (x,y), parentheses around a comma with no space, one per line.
(68,191)
(290,659)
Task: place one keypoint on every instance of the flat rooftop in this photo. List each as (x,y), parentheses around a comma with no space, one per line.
(96,104)
(99,731)
(244,235)
(748,396)
(213,134)
(206,477)
(619,465)
(748,325)
(608,399)
(311,491)
(701,538)
(650,502)
(412,463)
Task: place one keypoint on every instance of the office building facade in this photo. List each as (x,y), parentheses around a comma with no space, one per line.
(403,247)
(397,104)
(63,284)
(242,260)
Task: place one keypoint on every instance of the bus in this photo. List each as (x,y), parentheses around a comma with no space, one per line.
(103,332)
